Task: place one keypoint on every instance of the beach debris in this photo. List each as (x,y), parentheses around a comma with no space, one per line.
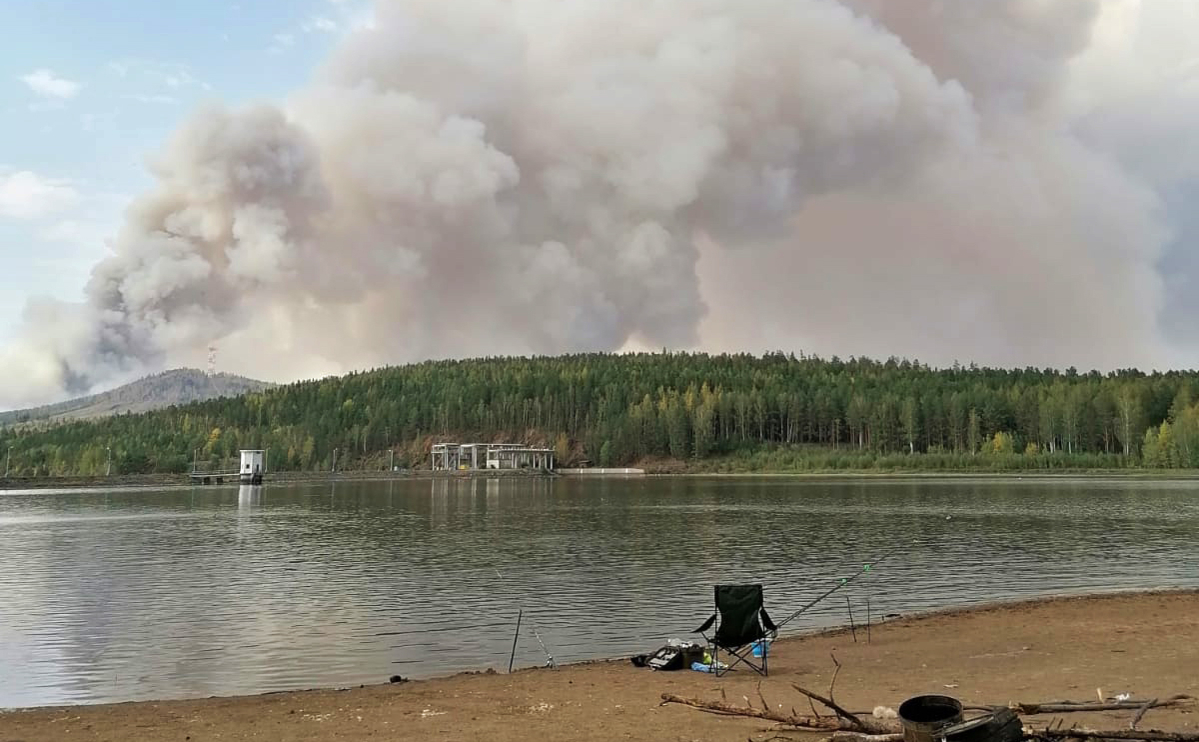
(426,713)
(1066,707)
(882,725)
(818,723)
(397,679)
(841,720)
(1141,713)
(1148,735)
(541,707)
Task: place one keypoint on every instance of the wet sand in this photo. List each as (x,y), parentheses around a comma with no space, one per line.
(1062,649)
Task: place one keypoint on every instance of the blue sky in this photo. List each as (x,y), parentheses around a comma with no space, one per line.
(89,88)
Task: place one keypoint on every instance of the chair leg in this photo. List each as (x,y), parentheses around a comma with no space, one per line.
(736,658)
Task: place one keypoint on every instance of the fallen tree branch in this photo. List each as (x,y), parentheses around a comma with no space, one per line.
(859,737)
(1065,707)
(858,724)
(1123,734)
(1141,712)
(719,707)
(824,724)
(833,683)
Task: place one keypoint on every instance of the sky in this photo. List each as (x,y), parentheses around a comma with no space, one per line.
(330,185)
(90,88)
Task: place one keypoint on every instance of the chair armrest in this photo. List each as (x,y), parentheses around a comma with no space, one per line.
(767,623)
(707,625)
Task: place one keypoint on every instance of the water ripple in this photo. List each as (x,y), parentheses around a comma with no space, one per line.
(125,595)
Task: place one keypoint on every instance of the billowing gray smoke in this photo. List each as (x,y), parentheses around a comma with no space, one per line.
(880,177)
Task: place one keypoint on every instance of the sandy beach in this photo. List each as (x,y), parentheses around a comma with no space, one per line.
(1061,649)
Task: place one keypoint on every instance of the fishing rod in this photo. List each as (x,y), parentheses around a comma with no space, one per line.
(549,658)
(844,581)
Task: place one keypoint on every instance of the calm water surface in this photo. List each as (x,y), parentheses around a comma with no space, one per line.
(124,595)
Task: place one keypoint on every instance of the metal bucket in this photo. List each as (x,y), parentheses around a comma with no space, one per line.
(923,717)
(1001,726)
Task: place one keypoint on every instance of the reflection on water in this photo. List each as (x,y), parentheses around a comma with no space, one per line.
(249,496)
(119,595)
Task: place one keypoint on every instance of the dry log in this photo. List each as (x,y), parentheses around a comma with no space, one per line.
(833,705)
(824,724)
(1141,713)
(859,737)
(1065,707)
(719,707)
(853,722)
(1123,734)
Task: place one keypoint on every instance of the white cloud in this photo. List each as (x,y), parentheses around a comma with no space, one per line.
(27,195)
(281,41)
(320,23)
(342,17)
(45,83)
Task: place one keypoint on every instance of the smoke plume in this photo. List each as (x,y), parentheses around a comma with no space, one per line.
(910,177)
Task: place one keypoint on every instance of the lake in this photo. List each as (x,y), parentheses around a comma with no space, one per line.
(135,594)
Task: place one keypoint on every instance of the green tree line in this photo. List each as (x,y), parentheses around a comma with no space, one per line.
(772,411)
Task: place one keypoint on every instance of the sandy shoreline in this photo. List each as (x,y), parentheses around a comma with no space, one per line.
(1146,644)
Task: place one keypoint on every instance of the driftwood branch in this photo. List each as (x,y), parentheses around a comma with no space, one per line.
(854,722)
(833,683)
(859,737)
(832,705)
(1141,713)
(1123,734)
(829,702)
(1065,707)
(818,723)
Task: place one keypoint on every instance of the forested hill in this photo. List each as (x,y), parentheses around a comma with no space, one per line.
(776,411)
(176,387)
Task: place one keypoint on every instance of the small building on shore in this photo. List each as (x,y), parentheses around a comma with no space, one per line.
(475,456)
(253,466)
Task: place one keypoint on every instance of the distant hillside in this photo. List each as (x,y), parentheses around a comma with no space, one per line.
(731,413)
(177,387)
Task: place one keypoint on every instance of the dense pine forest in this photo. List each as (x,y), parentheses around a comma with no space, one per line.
(777,412)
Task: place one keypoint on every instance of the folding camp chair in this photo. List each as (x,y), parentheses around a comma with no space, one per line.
(741,621)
